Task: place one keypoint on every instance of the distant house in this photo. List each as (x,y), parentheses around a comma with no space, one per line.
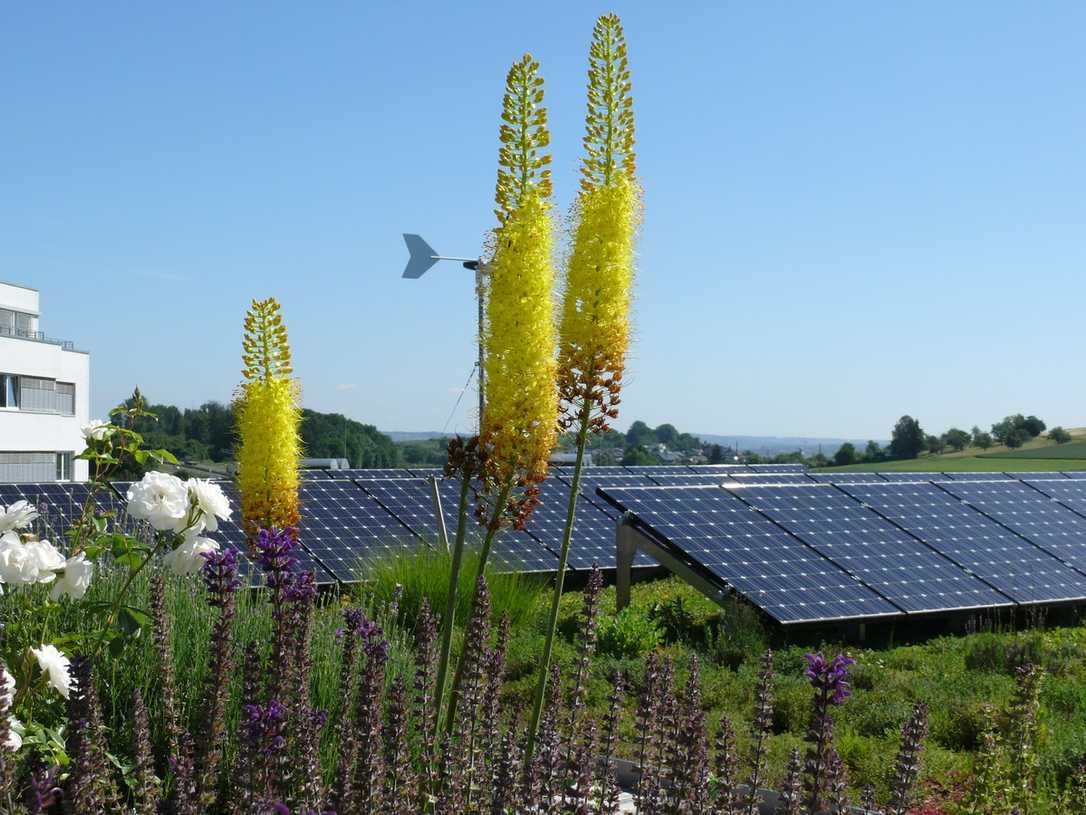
(558,459)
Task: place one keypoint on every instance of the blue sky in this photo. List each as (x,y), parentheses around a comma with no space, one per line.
(853,210)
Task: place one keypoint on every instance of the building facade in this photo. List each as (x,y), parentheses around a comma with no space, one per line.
(44,395)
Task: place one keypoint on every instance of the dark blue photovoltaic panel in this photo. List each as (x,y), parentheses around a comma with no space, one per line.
(347,530)
(511,551)
(655,469)
(1020,507)
(978,476)
(59,505)
(742,548)
(233,534)
(1074,474)
(376,473)
(770,478)
(590,479)
(848,478)
(1071,492)
(411,500)
(691,479)
(898,476)
(999,557)
(719,468)
(427,472)
(778,468)
(898,566)
(1037,474)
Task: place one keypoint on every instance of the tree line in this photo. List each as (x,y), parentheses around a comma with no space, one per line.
(908,439)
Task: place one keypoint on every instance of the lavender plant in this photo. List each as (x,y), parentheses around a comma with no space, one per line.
(830,681)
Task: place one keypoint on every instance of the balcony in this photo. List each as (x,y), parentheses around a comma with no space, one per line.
(36,336)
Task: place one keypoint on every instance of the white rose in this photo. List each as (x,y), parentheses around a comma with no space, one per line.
(17,516)
(75,579)
(46,558)
(160,499)
(97,430)
(18,566)
(185,559)
(209,498)
(15,738)
(55,664)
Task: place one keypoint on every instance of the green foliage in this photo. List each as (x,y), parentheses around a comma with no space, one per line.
(627,635)
(846,454)
(907,439)
(957,439)
(425,573)
(1059,435)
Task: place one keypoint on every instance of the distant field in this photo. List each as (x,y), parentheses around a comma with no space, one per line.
(1072,450)
(958,464)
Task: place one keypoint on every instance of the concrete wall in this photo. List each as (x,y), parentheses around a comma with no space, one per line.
(19,298)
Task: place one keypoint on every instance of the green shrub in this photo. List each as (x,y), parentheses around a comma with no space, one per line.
(628,634)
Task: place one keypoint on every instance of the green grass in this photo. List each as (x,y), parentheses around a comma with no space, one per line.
(1071,450)
(959,464)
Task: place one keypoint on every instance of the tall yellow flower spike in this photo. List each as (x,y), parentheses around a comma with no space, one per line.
(268,417)
(595,326)
(520,414)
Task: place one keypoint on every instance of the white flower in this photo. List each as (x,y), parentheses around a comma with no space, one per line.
(209,498)
(33,562)
(17,516)
(75,579)
(54,663)
(97,430)
(185,559)
(15,738)
(160,499)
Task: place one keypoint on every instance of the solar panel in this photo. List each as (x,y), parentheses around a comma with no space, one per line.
(347,530)
(745,550)
(375,473)
(660,469)
(1069,492)
(690,479)
(770,478)
(1037,474)
(902,569)
(979,476)
(427,472)
(719,468)
(1020,507)
(593,540)
(999,557)
(1075,474)
(592,479)
(512,550)
(411,501)
(778,468)
(900,476)
(848,478)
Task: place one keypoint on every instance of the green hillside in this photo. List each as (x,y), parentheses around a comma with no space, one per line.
(1071,450)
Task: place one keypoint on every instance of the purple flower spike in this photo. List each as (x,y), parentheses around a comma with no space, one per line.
(830,677)
(220,575)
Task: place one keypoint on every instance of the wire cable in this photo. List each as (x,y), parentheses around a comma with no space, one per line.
(463,390)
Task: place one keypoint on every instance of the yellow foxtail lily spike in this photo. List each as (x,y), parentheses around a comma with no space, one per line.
(268,415)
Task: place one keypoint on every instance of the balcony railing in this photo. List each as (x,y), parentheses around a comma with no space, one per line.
(36,336)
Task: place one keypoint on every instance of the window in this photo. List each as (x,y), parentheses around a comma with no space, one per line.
(38,395)
(27,466)
(66,398)
(9,391)
(64,466)
(22,324)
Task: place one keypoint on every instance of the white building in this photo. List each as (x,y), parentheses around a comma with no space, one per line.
(44,395)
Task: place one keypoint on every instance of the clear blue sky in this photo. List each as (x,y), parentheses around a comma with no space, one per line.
(852,210)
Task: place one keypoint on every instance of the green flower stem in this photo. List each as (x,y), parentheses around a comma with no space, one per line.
(448,622)
(492,529)
(552,622)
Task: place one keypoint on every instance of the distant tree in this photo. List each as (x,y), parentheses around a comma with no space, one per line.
(872,452)
(637,455)
(716,454)
(1034,426)
(957,439)
(907,439)
(640,433)
(1001,430)
(666,434)
(1059,435)
(1015,437)
(819,460)
(846,454)
(981,439)
(935,444)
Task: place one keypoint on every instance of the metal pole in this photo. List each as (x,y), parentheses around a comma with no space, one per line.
(442,532)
